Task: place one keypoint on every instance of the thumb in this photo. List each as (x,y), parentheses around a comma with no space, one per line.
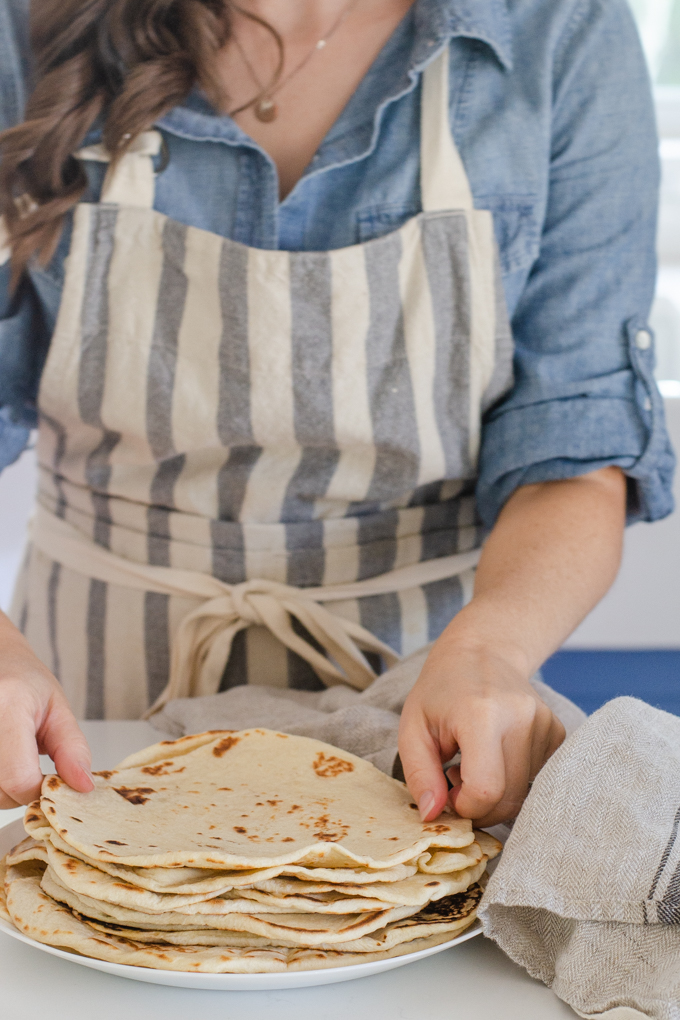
(64,741)
(422,766)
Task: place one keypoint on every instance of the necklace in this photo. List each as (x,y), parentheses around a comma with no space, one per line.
(265,108)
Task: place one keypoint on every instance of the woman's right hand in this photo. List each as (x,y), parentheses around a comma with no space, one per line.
(35,719)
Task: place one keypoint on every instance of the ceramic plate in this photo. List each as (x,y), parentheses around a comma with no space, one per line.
(12,834)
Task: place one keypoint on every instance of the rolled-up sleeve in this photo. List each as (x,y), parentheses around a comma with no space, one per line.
(584,394)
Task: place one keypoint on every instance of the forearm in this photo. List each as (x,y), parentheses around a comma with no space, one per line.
(552,555)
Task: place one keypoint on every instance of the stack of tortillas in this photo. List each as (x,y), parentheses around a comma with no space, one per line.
(242,852)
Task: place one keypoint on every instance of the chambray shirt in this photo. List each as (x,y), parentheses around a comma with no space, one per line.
(551,110)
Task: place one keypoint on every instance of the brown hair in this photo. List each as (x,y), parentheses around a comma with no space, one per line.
(126,61)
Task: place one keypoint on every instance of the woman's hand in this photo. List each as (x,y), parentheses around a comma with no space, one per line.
(34,719)
(552,555)
(477,703)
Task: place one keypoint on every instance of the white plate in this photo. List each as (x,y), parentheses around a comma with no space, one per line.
(12,834)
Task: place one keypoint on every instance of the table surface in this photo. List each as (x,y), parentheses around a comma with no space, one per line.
(474,979)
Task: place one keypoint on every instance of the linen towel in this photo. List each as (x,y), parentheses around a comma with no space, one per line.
(586,896)
(365,723)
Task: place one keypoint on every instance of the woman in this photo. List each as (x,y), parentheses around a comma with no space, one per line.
(279,354)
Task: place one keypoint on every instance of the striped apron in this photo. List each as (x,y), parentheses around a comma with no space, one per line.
(286,438)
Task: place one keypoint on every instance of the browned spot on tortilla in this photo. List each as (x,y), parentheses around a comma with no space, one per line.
(437,829)
(183,769)
(71,864)
(239,828)
(392,839)
(73,817)
(227,788)
(125,885)
(105,774)
(414,807)
(222,746)
(212,827)
(288,839)
(284,736)
(116,842)
(210,860)
(259,803)
(51,810)
(429,885)
(32,818)
(328,766)
(53,782)
(136,795)
(183,740)
(274,803)
(63,832)
(253,837)
(295,807)
(157,770)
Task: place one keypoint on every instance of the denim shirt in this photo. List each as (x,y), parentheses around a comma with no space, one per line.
(551,110)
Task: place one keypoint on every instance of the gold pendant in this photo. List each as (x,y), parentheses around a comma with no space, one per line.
(266,110)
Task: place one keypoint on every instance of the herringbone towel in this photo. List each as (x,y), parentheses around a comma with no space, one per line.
(587,894)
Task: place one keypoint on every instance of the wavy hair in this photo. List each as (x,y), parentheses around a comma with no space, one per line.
(125,61)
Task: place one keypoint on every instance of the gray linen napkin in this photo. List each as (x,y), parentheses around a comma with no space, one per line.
(363,723)
(587,893)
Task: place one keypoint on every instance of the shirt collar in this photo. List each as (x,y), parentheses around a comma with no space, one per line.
(486,20)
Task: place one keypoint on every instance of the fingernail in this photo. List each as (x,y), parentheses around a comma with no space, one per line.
(86,770)
(425,804)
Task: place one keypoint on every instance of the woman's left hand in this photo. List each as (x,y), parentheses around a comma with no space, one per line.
(552,555)
(477,703)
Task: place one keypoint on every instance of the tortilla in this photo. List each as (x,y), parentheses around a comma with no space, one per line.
(244,800)
(452,915)
(274,896)
(4,913)
(441,862)
(38,916)
(192,880)
(306,929)
(416,891)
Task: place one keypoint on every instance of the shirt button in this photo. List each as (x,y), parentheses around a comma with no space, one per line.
(643,339)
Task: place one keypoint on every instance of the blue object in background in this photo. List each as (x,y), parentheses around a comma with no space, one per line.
(592,677)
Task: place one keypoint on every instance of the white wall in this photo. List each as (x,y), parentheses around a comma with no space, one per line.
(642,610)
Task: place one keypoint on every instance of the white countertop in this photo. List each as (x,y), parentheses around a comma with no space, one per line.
(474,980)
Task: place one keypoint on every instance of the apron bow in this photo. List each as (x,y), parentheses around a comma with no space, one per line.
(204,639)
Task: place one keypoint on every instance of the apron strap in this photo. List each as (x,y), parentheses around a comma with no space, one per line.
(132,182)
(443,181)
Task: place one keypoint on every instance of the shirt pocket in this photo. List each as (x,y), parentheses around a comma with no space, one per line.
(515,219)
(377,220)
(517,228)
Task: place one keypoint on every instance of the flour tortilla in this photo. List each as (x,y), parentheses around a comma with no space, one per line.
(442,862)
(244,800)
(35,822)
(454,915)
(305,929)
(116,896)
(201,880)
(39,917)
(28,850)
(416,891)
(4,913)
(274,896)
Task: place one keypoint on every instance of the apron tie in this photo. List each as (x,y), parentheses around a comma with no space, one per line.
(203,641)
(202,644)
